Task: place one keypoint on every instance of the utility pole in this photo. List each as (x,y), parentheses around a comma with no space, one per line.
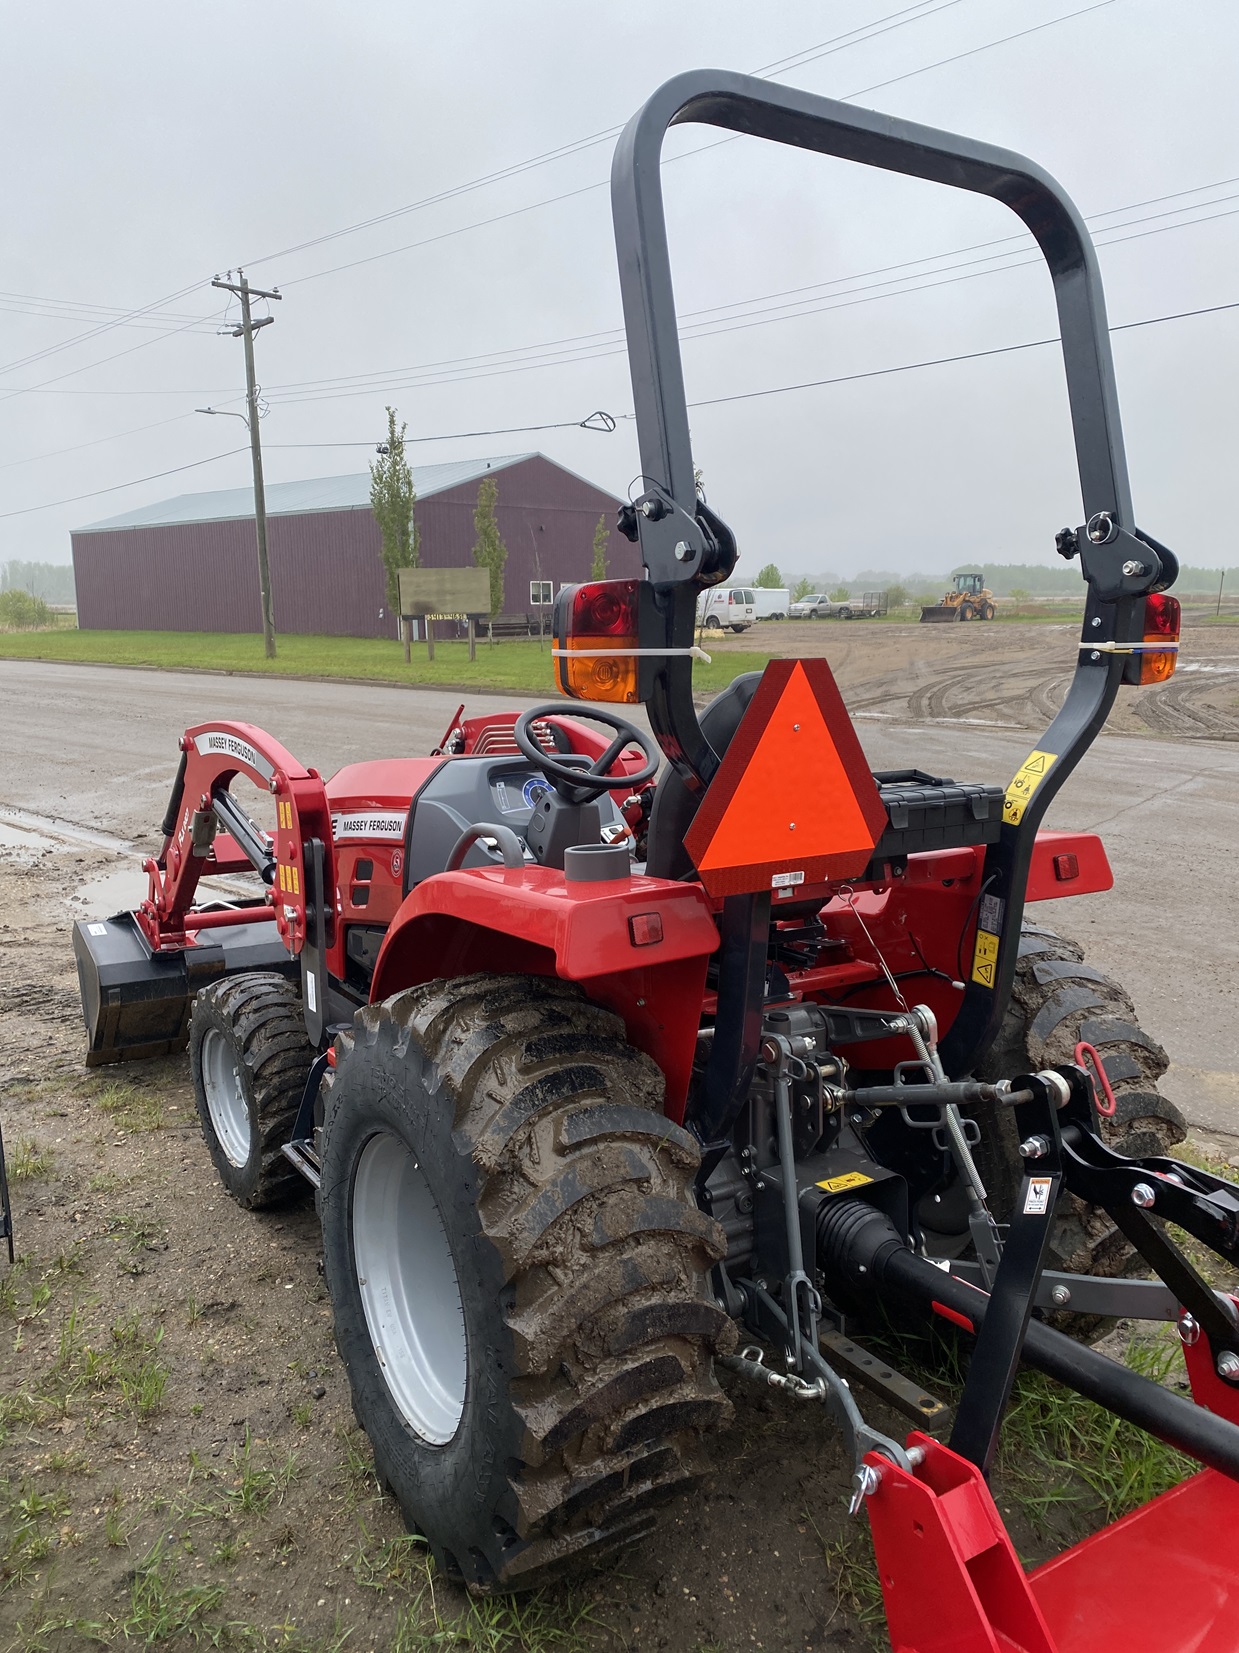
(246,331)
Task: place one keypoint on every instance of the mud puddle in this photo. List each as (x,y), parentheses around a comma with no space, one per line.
(52,827)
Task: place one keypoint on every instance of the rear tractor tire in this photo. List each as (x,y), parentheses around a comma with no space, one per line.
(1057,1000)
(250,1058)
(988,611)
(519,1274)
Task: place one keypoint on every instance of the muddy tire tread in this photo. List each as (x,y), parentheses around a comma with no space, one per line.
(588,1201)
(1056,999)
(264,1012)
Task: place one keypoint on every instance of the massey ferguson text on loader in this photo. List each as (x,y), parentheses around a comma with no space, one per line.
(607,1080)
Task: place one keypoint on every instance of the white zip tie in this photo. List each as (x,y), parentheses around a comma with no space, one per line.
(602,654)
(1130,648)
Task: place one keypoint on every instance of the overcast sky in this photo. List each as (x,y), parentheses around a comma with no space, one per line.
(147,147)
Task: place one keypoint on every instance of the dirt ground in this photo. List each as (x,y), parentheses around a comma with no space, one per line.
(179,1463)
(177,1448)
(1002,674)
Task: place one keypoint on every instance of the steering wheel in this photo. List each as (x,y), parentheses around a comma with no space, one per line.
(575,777)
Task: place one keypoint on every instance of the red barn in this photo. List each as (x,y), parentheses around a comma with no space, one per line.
(191,563)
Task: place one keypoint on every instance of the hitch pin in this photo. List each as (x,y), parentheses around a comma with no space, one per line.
(868,1478)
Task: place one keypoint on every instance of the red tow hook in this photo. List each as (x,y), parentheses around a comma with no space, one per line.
(1086,1056)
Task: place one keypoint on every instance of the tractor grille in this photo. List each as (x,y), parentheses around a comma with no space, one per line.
(496,740)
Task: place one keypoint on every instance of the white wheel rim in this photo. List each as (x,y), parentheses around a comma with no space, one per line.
(225,1097)
(410,1290)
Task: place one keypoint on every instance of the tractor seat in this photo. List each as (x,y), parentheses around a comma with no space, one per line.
(925,812)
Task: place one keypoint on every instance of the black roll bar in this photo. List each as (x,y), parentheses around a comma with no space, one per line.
(1119,564)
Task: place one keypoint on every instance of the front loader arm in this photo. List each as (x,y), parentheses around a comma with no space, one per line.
(207,831)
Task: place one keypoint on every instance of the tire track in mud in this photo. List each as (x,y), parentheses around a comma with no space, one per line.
(1168,709)
(1025,699)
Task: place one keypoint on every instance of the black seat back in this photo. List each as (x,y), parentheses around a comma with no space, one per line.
(674,805)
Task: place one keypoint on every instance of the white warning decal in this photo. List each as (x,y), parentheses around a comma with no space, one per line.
(368,823)
(1037,1199)
(225,745)
(785,880)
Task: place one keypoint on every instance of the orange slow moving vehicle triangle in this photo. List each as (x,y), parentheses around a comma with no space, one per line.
(794,794)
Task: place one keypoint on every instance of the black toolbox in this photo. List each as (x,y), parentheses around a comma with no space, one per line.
(929,812)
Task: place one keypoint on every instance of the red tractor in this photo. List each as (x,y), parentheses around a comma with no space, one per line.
(603,1074)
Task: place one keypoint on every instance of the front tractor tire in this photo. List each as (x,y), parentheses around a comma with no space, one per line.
(519,1274)
(250,1059)
(1057,1000)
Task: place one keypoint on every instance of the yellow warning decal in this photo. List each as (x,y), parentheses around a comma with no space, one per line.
(849,1179)
(283,878)
(985,959)
(284,812)
(1027,778)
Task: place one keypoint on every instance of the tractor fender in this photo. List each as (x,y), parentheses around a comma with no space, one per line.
(1067,863)
(637,945)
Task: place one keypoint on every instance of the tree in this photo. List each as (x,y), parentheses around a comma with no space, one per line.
(840,594)
(769,578)
(489,551)
(897,596)
(602,544)
(19,611)
(392,499)
(801,589)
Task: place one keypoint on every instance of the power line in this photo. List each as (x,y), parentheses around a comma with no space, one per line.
(570,354)
(76,447)
(597,421)
(26,304)
(577,146)
(944,361)
(922,9)
(105,327)
(135,482)
(713,401)
(825,49)
(384,379)
(717,143)
(25,390)
(378,378)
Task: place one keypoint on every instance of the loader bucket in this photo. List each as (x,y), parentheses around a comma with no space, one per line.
(936,613)
(136,1001)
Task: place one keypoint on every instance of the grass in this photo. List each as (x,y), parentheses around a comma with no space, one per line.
(247,1487)
(131,1107)
(853,1577)
(517,664)
(528,1624)
(126,1364)
(1059,1451)
(29,1161)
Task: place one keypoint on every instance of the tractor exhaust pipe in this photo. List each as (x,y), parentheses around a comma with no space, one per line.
(864,1258)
